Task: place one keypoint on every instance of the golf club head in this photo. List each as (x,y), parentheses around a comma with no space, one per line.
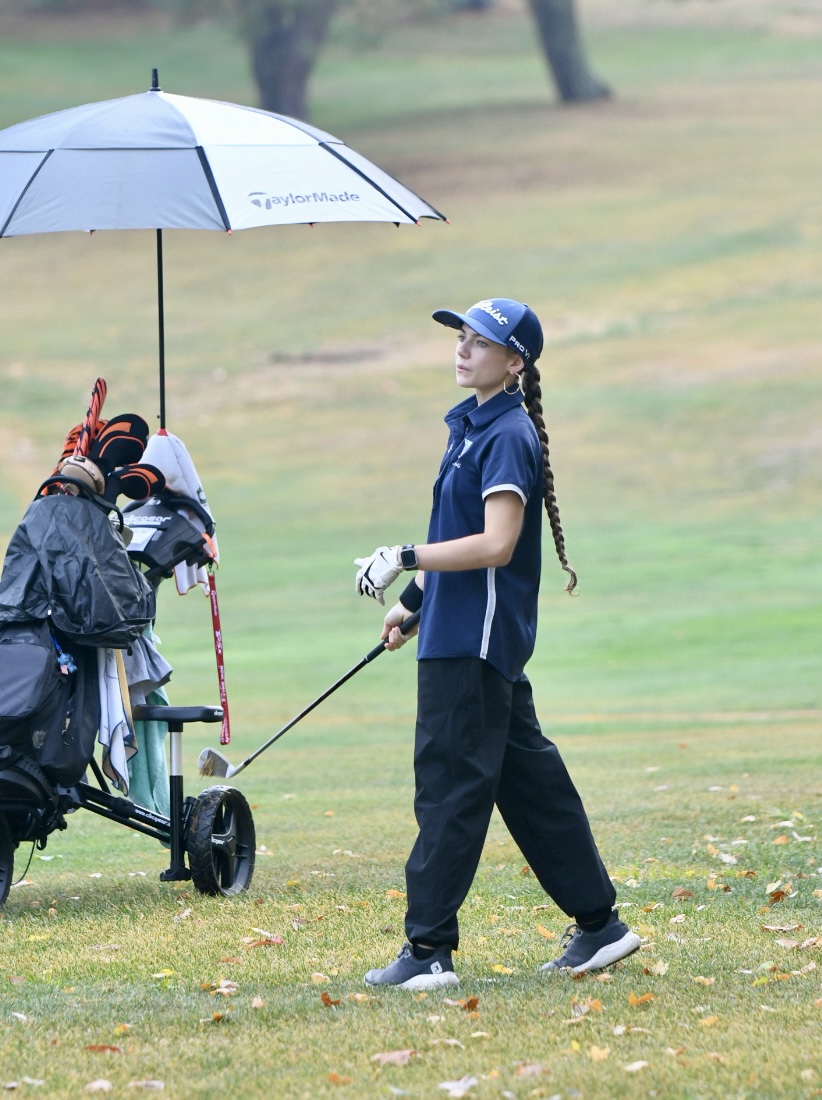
(212,762)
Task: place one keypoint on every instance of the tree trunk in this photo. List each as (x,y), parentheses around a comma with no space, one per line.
(562,44)
(284,42)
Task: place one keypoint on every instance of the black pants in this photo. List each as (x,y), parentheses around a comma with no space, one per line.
(478,742)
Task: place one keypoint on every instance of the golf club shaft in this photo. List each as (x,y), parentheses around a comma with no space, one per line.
(374,653)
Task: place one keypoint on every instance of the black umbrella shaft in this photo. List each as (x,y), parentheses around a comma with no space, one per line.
(162,328)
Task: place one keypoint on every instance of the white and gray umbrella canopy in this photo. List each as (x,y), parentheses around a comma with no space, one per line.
(161,161)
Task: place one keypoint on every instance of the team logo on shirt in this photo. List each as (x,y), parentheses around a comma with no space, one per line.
(466,447)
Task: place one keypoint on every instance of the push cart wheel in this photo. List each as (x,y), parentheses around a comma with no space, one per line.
(6,860)
(221,842)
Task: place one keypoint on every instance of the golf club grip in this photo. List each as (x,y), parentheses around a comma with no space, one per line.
(375,652)
(404,628)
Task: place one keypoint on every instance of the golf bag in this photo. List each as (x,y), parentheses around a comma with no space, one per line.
(68,588)
(67,565)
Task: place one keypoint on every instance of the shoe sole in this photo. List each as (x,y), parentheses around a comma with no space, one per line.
(424,982)
(420,982)
(611,953)
(606,956)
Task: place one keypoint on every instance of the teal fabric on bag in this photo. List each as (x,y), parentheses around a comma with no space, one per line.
(148,768)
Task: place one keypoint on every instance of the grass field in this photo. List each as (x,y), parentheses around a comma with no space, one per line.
(670,240)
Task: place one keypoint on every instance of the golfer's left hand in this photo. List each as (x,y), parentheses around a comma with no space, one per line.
(391,633)
(377,572)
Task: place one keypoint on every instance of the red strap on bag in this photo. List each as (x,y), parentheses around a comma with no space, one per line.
(225,732)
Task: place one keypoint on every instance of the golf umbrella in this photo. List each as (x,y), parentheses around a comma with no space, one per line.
(160,161)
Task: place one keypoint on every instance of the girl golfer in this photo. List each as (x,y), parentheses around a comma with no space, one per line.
(478,741)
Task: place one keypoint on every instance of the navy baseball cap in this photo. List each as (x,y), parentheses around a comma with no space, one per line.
(506,322)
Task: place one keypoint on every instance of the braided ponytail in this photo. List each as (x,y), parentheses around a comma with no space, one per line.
(530,379)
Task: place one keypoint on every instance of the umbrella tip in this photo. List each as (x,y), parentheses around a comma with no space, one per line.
(155,83)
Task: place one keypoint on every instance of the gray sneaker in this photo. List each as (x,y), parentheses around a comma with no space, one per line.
(409,972)
(595,950)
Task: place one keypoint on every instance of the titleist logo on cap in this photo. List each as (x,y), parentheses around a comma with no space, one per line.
(488,307)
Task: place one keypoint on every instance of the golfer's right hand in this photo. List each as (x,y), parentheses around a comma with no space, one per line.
(377,572)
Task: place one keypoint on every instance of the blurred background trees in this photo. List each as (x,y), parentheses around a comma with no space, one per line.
(285,38)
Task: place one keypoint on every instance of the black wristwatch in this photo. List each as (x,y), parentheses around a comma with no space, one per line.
(408,557)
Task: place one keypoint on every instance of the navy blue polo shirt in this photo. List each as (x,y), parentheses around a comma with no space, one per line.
(489,613)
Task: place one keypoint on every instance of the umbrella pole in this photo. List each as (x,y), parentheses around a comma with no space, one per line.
(162,327)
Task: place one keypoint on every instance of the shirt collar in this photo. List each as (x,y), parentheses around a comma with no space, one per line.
(480,415)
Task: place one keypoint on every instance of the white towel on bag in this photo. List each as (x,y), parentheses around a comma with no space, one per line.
(168,453)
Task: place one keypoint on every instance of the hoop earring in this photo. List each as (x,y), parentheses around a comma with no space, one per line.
(517,388)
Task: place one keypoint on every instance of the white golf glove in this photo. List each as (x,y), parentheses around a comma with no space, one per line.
(377,572)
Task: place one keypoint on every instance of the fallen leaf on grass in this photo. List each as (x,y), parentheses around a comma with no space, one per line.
(320,979)
(222,988)
(646,998)
(459,1088)
(394,894)
(660,969)
(447,1043)
(498,968)
(100,1085)
(634,1067)
(269,941)
(681,892)
(258,1002)
(102,1048)
(599,1054)
(704,981)
(393,1057)
(715,884)
(546,933)
(231,959)
(528,1069)
(215,1018)
(709,1021)
(675,1051)
(336,1079)
(468,1003)
(150,1084)
(327,1000)
(582,1008)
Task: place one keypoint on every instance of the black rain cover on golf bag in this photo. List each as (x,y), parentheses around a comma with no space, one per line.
(47,714)
(66,564)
